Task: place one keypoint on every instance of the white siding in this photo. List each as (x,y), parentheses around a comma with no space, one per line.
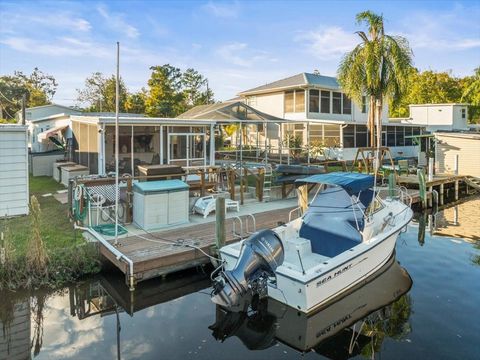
(466,146)
(271,104)
(13,170)
(439,116)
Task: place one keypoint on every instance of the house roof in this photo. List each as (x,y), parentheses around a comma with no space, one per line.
(50,105)
(302,79)
(229,111)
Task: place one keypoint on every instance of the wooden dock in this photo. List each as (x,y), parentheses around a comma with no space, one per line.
(159,253)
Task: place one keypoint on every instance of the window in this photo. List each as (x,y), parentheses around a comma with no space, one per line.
(400,136)
(347,105)
(349,136)
(294,101)
(408,140)
(361,136)
(364,104)
(252,101)
(325,102)
(288,101)
(300,101)
(390,135)
(337,103)
(464,113)
(314,101)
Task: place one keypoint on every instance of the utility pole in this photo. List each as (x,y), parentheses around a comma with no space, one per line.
(24,105)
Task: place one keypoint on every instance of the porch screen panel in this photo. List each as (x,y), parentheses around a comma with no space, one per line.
(93,149)
(75,137)
(300,101)
(325,102)
(332,135)
(83,145)
(314,105)
(400,135)
(288,100)
(349,136)
(361,139)
(316,132)
(408,132)
(390,135)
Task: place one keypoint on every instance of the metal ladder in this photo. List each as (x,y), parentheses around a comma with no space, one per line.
(267,182)
(250,228)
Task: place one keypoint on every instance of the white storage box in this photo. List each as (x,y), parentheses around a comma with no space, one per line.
(157,204)
(57,169)
(69,172)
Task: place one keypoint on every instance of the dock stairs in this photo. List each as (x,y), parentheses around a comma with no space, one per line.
(473,182)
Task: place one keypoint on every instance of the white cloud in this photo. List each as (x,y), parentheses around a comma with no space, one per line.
(223,10)
(117,22)
(239,54)
(63,46)
(48,20)
(328,43)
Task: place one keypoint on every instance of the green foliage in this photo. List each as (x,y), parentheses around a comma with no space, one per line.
(377,67)
(165,97)
(63,253)
(471,95)
(294,144)
(38,87)
(136,102)
(99,93)
(195,88)
(427,87)
(172,92)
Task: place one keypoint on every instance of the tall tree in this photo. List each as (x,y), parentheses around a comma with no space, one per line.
(427,87)
(378,67)
(471,95)
(99,93)
(136,102)
(165,96)
(38,87)
(195,88)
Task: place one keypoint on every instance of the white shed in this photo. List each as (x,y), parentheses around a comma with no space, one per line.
(14,194)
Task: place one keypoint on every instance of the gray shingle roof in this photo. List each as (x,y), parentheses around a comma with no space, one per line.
(302,79)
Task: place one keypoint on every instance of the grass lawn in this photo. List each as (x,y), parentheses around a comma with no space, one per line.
(56,229)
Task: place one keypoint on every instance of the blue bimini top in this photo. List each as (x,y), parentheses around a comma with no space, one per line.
(352,183)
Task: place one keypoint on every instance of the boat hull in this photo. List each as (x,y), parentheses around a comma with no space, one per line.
(309,296)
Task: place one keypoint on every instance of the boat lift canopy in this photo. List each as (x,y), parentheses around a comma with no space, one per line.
(352,183)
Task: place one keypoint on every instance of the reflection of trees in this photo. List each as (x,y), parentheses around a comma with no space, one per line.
(391,321)
(476,257)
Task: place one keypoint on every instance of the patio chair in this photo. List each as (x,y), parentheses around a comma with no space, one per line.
(403,167)
(206,204)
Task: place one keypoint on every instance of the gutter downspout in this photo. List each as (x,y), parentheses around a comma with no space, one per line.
(119,255)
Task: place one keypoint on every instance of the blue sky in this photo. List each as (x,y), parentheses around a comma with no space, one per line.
(237,45)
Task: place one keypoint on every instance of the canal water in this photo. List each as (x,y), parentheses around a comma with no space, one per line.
(424,304)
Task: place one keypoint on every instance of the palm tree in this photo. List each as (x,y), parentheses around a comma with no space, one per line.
(377,67)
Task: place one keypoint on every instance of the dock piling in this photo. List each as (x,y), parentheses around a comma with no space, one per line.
(220,222)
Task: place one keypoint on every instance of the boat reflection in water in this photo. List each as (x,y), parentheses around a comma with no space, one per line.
(376,308)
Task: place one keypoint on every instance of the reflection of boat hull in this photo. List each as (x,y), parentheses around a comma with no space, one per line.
(381,289)
(305,331)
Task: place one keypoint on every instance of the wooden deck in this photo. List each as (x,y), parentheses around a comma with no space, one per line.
(412,180)
(157,255)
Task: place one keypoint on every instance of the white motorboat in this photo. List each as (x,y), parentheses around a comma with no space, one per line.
(345,235)
(337,328)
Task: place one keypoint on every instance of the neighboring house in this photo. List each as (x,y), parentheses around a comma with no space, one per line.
(14,192)
(323,114)
(45,121)
(457,151)
(438,117)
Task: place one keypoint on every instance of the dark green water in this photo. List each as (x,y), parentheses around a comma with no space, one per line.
(435,317)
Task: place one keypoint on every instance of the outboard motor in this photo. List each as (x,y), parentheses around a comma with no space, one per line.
(260,255)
